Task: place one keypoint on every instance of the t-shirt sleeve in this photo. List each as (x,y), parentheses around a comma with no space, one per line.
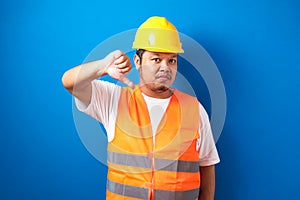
(208,154)
(104,102)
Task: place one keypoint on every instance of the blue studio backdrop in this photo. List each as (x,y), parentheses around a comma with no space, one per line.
(255,45)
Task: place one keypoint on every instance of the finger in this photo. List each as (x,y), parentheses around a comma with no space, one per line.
(122,58)
(124,65)
(124,70)
(111,57)
(125,80)
(117,54)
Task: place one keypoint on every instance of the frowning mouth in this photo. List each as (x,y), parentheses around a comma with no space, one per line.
(163,77)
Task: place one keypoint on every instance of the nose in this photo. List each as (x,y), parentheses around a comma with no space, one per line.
(164,66)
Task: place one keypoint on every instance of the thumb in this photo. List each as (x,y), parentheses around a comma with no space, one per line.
(128,82)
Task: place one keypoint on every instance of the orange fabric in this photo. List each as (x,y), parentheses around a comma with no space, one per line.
(142,179)
(176,181)
(175,140)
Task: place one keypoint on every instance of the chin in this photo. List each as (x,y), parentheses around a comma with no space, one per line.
(157,86)
(160,87)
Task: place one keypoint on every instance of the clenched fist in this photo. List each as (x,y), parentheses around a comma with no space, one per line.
(117,66)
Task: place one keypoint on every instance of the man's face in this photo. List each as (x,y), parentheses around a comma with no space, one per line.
(157,70)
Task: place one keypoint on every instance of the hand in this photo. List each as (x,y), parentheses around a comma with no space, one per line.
(117,66)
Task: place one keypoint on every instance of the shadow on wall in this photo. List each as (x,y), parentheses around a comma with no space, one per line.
(229,171)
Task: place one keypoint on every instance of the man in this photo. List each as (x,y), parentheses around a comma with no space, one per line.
(159,139)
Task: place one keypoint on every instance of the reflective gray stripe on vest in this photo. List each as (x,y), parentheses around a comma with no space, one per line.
(145,162)
(176,195)
(127,190)
(129,160)
(176,165)
(142,193)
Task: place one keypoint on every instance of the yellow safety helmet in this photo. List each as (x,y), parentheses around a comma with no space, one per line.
(157,34)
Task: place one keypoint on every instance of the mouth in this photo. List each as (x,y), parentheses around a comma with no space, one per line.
(164,77)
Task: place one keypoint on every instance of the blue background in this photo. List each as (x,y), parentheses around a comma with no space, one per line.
(255,45)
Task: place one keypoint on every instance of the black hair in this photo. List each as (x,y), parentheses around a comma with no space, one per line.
(139,53)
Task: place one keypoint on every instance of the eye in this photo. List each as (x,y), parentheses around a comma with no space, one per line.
(172,61)
(156,60)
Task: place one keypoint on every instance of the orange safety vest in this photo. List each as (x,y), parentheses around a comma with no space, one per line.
(163,167)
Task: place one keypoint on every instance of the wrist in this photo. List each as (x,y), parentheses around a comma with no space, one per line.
(101,68)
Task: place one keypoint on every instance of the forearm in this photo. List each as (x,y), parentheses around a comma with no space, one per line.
(78,79)
(81,76)
(207,189)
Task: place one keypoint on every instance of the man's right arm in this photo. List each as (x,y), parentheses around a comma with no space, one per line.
(78,80)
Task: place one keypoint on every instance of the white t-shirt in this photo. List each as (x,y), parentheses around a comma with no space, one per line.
(104,107)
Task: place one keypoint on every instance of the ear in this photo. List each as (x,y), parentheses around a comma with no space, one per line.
(137,61)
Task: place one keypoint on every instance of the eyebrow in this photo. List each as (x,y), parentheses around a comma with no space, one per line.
(156,54)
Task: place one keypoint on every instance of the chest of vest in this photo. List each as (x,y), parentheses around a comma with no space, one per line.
(166,166)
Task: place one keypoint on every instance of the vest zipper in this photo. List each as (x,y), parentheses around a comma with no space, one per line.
(152,168)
